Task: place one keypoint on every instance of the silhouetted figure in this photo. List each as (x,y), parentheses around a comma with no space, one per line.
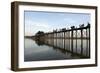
(72,27)
(81,26)
(63,29)
(55,30)
(88,25)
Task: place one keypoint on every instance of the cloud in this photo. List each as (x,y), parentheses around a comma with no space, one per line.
(70,20)
(32,27)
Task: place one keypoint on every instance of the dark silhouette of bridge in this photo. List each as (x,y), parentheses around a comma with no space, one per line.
(72,35)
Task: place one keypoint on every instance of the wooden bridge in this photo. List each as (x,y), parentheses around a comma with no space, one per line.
(68,39)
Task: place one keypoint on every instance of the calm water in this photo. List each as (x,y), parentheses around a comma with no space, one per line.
(55,49)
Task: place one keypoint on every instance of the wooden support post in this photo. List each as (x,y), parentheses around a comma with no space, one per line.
(53,38)
(89,41)
(81,41)
(76,41)
(69,39)
(56,38)
(72,40)
(47,38)
(64,40)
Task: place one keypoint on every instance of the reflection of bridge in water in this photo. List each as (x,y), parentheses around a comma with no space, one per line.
(74,40)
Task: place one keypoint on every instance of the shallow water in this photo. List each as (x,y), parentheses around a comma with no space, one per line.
(57,49)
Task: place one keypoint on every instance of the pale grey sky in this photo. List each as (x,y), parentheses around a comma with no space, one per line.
(47,21)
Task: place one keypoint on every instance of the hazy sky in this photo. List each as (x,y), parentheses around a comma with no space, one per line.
(47,21)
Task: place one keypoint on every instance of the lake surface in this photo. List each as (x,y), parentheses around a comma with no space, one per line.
(57,49)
